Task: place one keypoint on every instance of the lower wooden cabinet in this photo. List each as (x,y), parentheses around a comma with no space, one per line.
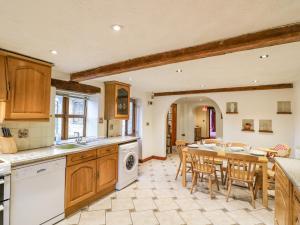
(89,176)
(296,208)
(80,182)
(282,205)
(107,171)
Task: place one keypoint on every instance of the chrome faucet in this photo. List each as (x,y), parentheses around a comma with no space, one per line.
(78,139)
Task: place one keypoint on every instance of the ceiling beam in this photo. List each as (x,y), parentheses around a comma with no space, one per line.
(74,86)
(270,37)
(230,89)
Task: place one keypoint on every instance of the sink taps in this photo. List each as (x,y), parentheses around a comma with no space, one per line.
(77,136)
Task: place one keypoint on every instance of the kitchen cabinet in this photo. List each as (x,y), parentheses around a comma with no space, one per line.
(3,79)
(80,182)
(107,171)
(117,100)
(296,208)
(90,175)
(29,95)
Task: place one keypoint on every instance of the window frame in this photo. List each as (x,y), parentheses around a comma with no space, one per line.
(65,116)
(133,119)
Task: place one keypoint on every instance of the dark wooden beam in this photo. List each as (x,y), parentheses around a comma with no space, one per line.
(230,89)
(74,86)
(274,36)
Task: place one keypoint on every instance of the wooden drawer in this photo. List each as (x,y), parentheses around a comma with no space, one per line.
(81,157)
(107,150)
(282,178)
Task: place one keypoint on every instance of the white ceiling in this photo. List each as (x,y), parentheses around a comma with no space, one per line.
(80,30)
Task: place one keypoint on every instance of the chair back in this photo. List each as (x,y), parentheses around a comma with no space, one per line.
(211,141)
(180,144)
(203,161)
(282,150)
(236,144)
(241,167)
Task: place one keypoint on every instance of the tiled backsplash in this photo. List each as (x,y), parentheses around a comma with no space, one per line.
(40,134)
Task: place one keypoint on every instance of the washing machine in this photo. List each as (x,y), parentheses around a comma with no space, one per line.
(128,164)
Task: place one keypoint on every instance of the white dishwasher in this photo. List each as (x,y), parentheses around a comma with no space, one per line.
(37,193)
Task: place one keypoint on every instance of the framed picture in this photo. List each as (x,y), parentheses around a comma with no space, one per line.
(248,125)
(231,107)
(284,107)
(265,126)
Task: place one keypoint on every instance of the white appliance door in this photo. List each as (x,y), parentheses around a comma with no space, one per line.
(130,162)
(37,192)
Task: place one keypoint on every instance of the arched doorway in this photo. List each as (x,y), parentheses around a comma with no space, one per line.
(192,119)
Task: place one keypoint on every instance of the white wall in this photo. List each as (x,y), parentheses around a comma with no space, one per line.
(296,151)
(251,105)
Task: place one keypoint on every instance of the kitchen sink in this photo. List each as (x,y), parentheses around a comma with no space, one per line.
(68,146)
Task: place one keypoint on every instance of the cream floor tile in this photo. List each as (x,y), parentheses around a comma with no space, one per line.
(122,204)
(187,204)
(118,218)
(144,193)
(145,184)
(169,218)
(243,218)
(164,193)
(183,193)
(162,185)
(194,217)
(144,218)
(264,215)
(236,204)
(218,217)
(142,204)
(71,220)
(166,204)
(210,204)
(201,195)
(101,204)
(125,193)
(92,218)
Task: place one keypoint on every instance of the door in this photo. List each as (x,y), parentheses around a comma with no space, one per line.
(212,122)
(29,90)
(174,124)
(80,182)
(107,171)
(3,79)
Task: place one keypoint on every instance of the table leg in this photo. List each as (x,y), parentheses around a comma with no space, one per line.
(265,184)
(183,169)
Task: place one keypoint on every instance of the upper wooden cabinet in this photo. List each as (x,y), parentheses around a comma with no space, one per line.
(3,79)
(117,100)
(29,95)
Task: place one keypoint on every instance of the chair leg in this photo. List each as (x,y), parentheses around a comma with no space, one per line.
(229,189)
(202,177)
(178,170)
(217,181)
(252,194)
(222,174)
(193,181)
(226,178)
(210,186)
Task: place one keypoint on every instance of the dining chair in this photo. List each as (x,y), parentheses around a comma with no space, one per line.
(218,162)
(242,168)
(181,144)
(203,162)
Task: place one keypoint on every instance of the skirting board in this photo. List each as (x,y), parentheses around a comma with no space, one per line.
(152,157)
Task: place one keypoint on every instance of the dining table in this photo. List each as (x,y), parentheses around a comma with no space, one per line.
(262,162)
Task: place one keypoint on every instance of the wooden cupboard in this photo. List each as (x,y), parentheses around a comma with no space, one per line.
(80,182)
(29,95)
(117,100)
(287,200)
(3,79)
(90,175)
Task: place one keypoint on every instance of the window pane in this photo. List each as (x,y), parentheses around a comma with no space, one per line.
(76,106)
(58,104)
(75,125)
(58,128)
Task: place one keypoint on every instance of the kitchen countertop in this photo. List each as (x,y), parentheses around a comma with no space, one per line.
(291,167)
(41,154)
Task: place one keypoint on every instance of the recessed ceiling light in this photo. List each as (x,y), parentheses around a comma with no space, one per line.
(264,56)
(178,70)
(130,78)
(202,85)
(53,52)
(116,27)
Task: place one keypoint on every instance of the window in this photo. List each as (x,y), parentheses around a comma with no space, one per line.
(129,126)
(70,117)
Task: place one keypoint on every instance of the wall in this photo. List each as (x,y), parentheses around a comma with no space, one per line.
(296,145)
(251,105)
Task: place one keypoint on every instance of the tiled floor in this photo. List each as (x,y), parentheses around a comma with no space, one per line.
(156,198)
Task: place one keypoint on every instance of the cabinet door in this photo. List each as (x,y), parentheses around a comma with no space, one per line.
(282,205)
(122,102)
(107,171)
(29,90)
(3,79)
(80,182)
(296,211)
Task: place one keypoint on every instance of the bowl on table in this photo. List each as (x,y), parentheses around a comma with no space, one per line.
(258,152)
(236,149)
(193,146)
(210,145)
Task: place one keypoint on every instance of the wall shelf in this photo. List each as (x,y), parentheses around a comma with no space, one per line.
(284,107)
(248,130)
(266,131)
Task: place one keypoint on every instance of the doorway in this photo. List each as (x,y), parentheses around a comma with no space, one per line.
(212,122)
(171,128)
